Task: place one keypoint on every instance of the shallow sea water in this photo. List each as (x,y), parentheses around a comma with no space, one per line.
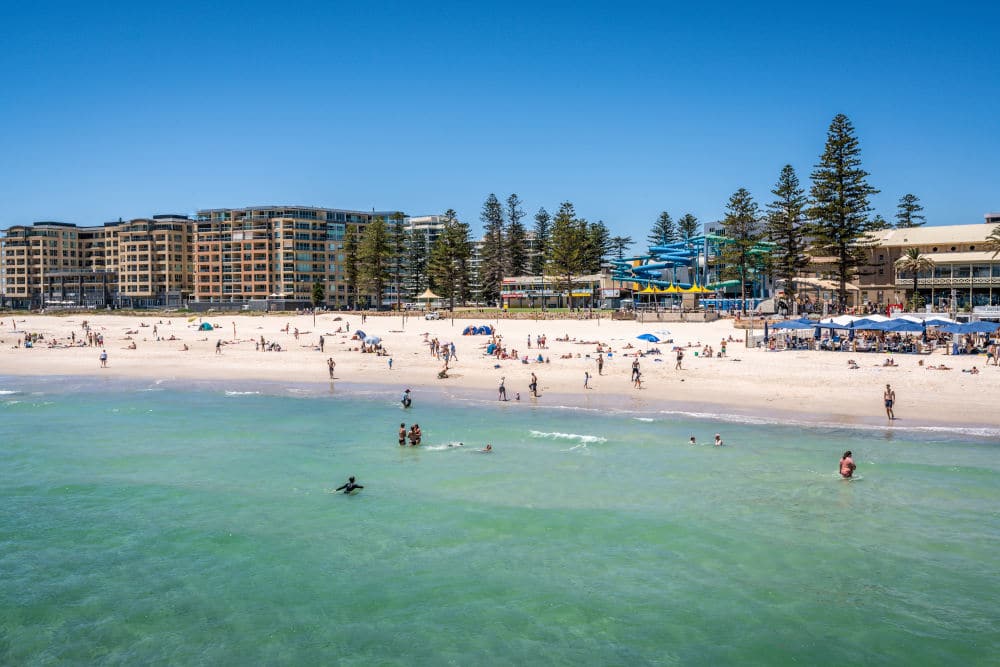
(153,523)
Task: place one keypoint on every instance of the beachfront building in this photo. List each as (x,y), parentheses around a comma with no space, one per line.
(965,274)
(152,257)
(32,255)
(588,291)
(275,254)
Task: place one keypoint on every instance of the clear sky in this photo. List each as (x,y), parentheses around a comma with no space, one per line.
(112,110)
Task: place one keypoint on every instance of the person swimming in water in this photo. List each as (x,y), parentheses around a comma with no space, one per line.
(692,441)
(718,440)
(350,486)
(402,434)
(847,466)
(488,449)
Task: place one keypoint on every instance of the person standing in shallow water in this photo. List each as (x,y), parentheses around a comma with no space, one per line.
(847,466)
(890,399)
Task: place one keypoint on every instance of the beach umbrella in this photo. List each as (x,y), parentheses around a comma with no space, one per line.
(981,326)
(850,332)
(799,325)
(766,336)
(648,337)
(937,321)
(898,325)
(360,334)
(951,328)
(428,295)
(372,340)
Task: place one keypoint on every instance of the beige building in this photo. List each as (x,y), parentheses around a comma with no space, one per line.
(965,273)
(275,253)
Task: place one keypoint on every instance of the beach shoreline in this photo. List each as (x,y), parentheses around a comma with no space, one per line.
(808,387)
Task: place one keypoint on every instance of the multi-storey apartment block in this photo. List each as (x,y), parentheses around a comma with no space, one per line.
(275,253)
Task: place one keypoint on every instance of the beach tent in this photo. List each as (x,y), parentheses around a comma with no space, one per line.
(372,340)
(979,327)
(205,326)
(469,331)
(794,325)
(360,334)
(485,330)
(897,325)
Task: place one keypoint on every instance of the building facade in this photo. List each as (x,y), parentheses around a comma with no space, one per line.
(965,275)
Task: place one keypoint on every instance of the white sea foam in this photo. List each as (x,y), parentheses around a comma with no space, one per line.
(8,392)
(644,419)
(442,448)
(242,393)
(555,435)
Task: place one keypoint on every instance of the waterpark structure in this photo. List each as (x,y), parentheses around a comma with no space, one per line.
(694,266)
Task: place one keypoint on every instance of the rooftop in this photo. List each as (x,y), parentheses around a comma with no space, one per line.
(930,235)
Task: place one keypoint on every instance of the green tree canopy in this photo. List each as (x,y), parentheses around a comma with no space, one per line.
(619,244)
(688,226)
(517,257)
(567,255)
(663,231)
(449,260)
(543,227)
(909,212)
(494,257)
(374,258)
(785,221)
(742,226)
(839,214)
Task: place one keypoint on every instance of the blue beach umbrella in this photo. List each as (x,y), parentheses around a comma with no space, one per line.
(800,324)
(850,332)
(648,337)
(980,327)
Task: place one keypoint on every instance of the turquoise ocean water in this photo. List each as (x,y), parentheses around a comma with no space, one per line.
(152,523)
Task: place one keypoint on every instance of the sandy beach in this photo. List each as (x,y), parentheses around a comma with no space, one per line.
(812,385)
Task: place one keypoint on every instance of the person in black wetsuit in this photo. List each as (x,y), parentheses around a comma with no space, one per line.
(350,486)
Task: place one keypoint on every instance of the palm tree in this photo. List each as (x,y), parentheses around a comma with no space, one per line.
(993,241)
(913,262)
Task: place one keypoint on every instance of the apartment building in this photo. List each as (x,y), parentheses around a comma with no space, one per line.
(275,253)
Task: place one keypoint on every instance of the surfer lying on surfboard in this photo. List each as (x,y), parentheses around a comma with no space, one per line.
(350,486)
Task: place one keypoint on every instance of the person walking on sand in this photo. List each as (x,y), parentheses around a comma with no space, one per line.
(635,370)
(680,358)
(586,379)
(847,466)
(218,346)
(331,364)
(890,398)
(322,343)
(533,385)
(600,364)
(502,390)
(104,358)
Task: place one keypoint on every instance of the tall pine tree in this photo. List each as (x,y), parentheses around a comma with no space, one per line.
(352,270)
(785,221)
(375,259)
(619,244)
(517,251)
(688,226)
(397,246)
(567,248)
(494,262)
(839,214)
(449,260)
(663,231)
(598,246)
(543,228)
(742,225)
(909,212)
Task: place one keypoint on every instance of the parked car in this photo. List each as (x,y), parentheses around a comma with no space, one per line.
(433,315)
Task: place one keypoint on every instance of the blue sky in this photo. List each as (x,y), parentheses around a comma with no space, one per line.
(112,110)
